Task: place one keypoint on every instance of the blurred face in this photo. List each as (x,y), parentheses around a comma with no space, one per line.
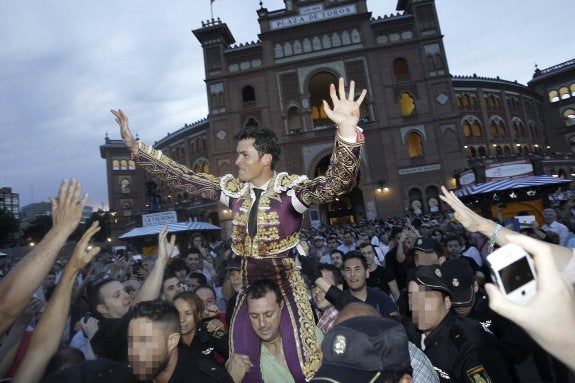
(265,315)
(318,295)
(426,258)
(115,301)
(252,167)
(428,307)
(355,274)
(369,255)
(180,274)
(187,318)
(194,284)
(549,216)
(348,239)
(148,265)
(193,261)
(236,280)
(318,243)
(337,260)
(198,242)
(453,248)
(208,300)
(148,348)
(170,288)
(332,244)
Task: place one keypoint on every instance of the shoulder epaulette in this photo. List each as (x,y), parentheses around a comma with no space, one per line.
(232,186)
(284,181)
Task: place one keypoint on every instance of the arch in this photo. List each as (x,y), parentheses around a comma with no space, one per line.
(553,96)
(201,165)
(415,197)
(466,128)
(131,165)
(318,89)
(400,67)
(569,116)
(125,185)
(414,143)
(482,151)
(115,164)
(251,121)
(406,104)
(248,93)
(564,93)
(432,198)
(471,152)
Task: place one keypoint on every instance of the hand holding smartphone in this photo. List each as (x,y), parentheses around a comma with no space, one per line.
(513,271)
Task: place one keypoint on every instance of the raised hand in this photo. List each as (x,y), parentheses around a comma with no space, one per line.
(67,208)
(165,248)
(82,255)
(345,112)
(122,121)
(467,217)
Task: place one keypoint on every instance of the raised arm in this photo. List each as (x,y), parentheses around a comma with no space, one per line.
(48,333)
(153,284)
(502,236)
(17,287)
(122,121)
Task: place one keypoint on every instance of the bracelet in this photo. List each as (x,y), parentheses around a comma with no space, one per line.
(493,237)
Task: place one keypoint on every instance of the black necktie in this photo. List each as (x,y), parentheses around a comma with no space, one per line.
(253,218)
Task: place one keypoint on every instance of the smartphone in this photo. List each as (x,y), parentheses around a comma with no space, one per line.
(526,220)
(513,271)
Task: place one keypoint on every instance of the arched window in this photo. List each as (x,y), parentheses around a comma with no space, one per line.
(506,149)
(115,165)
(318,88)
(124,165)
(564,93)
(553,96)
(476,129)
(572,88)
(459,101)
(400,67)
(248,93)
(414,144)
(252,122)
(569,116)
(466,129)
(471,152)
(407,104)
(466,101)
(125,185)
(482,151)
(131,165)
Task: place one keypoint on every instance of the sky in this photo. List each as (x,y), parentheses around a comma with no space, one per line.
(65,63)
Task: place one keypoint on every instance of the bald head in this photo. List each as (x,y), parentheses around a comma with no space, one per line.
(356,309)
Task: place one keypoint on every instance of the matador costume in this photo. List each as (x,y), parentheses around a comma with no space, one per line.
(265,256)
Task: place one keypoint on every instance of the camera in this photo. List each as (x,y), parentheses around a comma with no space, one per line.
(513,271)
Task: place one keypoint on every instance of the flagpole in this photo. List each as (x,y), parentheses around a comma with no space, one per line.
(212,8)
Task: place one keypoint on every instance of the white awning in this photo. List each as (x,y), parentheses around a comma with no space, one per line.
(509,184)
(172,228)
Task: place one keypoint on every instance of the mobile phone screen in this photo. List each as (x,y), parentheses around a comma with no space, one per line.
(516,275)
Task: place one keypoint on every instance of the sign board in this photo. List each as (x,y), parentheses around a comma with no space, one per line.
(507,170)
(159,218)
(313,14)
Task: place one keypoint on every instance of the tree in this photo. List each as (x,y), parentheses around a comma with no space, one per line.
(38,228)
(8,225)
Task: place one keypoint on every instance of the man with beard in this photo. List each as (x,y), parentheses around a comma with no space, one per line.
(153,336)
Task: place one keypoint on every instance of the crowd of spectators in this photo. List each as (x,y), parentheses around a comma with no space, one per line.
(76,313)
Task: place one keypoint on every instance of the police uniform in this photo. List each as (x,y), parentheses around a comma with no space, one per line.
(462,351)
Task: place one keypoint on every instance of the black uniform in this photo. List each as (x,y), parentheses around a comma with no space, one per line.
(462,351)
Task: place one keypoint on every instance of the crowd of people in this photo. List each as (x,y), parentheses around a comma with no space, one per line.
(400,299)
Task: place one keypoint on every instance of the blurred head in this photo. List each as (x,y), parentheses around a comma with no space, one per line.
(355,270)
(196,280)
(108,299)
(332,243)
(194,260)
(153,335)
(454,246)
(336,258)
(428,295)
(348,238)
(190,308)
(170,286)
(368,252)
(264,305)
(332,275)
(207,296)
(549,215)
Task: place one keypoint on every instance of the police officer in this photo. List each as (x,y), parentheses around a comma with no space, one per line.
(468,300)
(460,349)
